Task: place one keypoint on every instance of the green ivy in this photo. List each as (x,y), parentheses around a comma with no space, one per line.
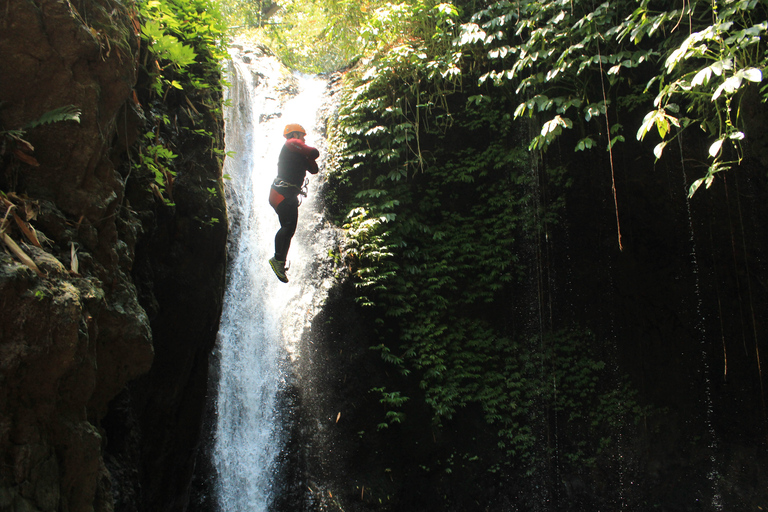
(575,63)
(439,202)
(185,49)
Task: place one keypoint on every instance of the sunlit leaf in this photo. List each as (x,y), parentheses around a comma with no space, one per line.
(753,75)
(662,125)
(648,121)
(714,149)
(65,113)
(730,86)
(702,77)
(695,186)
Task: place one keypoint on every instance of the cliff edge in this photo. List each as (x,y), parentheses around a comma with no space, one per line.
(106,289)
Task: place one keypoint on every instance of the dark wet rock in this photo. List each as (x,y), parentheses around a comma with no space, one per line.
(126,288)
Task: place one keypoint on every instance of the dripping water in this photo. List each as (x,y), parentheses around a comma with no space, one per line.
(262,319)
(713,474)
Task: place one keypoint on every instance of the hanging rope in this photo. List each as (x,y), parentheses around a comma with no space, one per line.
(610,149)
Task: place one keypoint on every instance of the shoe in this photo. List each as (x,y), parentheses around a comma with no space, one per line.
(279,269)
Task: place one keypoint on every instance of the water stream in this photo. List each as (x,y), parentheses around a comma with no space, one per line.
(713,474)
(263,319)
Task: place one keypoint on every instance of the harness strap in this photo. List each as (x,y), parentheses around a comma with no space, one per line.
(281,183)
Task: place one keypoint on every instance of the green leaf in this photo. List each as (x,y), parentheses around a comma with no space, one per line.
(694,187)
(618,138)
(66,113)
(648,121)
(166,45)
(585,143)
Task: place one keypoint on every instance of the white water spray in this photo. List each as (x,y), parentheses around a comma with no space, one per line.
(262,319)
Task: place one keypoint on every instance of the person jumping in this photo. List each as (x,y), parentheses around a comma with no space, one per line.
(296,159)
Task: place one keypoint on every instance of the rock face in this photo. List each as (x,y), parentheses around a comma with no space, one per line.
(119,280)
(673,315)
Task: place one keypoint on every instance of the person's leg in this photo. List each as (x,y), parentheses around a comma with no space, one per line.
(288,213)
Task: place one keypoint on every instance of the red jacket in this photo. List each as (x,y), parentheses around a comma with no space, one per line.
(296,159)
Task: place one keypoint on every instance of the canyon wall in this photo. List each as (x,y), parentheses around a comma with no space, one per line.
(101,282)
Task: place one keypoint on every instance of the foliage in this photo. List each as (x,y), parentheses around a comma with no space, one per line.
(344,21)
(708,70)
(574,61)
(315,36)
(166,46)
(321,36)
(12,140)
(57,115)
(439,203)
(308,36)
(187,38)
(185,42)
(246,14)
(296,38)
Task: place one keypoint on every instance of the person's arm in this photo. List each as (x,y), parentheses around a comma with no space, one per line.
(297,146)
(309,153)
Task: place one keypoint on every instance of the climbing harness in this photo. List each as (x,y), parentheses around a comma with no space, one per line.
(275,197)
(281,183)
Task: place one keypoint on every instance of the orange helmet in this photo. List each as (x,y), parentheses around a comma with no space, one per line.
(293,127)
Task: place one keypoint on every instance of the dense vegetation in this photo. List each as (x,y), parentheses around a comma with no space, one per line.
(447,196)
(600,60)
(573,65)
(179,91)
(181,86)
(444,231)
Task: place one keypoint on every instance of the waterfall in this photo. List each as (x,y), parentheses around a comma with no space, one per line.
(263,319)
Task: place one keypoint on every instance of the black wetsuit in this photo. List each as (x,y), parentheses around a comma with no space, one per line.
(296,159)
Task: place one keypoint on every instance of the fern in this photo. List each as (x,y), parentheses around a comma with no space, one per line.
(168,46)
(66,113)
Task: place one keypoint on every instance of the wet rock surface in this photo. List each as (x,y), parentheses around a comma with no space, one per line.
(119,287)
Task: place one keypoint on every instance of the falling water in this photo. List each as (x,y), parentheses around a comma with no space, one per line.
(262,319)
(713,472)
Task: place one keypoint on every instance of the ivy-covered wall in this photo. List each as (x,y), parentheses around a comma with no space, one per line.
(559,323)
